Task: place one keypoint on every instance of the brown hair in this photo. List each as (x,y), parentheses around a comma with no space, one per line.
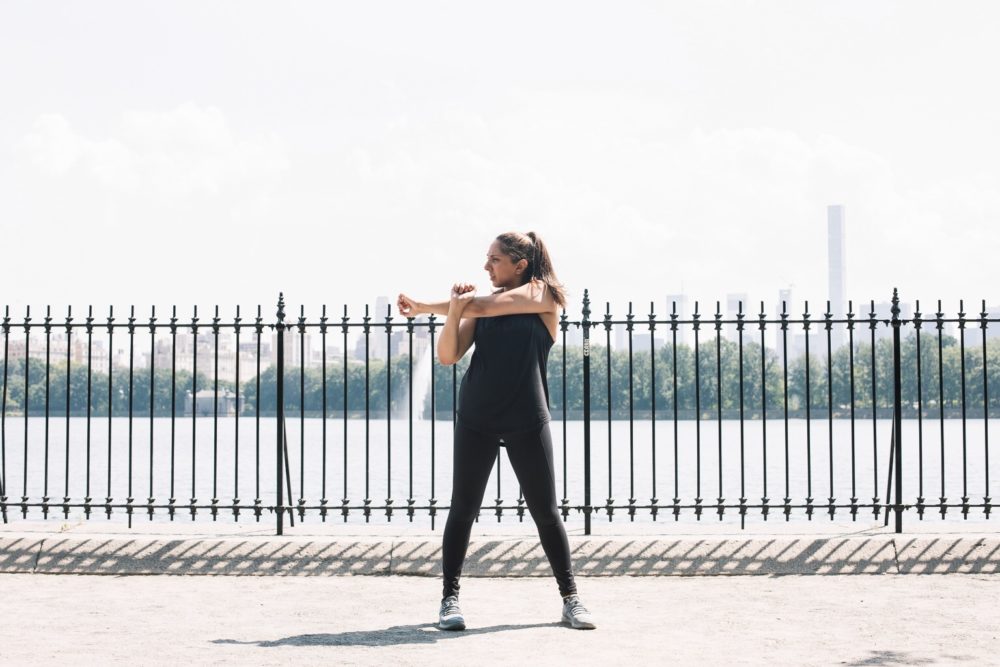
(529,246)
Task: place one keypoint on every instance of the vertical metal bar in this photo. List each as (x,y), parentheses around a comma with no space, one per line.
(215,414)
(173,413)
(367,334)
(302,411)
(194,409)
(920,415)
(90,336)
(652,404)
(787,501)
(322,330)
(27,391)
(152,404)
(586,412)
(872,323)
(898,417)
(718,399)
(498,501)
(129,499)
(433,498)
(673,351)
(986,418)
(809,493)
(409,378)
(257,500)
(764,500)
(850,343)
(388,411)
(111,403)
(69,383)
(831,508)
(564,327)
(743,481)
(965,467)
(697,414)
(236,421)
(344,500)
(280,411)
(939,323)
(48,357)
(607,334)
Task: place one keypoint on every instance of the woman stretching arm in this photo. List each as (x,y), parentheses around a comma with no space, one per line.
(503,402)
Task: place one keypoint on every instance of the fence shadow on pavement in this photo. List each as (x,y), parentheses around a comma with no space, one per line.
(502,558)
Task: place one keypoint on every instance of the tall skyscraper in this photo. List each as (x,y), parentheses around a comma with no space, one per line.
(836,265)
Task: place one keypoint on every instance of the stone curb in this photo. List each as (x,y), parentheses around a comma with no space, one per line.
(513,557)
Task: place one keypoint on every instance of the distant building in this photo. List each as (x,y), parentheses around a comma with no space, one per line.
(786,305)
(298,348)
(992,328)
(837,270)
(735,304)
(684,331)
(204,403)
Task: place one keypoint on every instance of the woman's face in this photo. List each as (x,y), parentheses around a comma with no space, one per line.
(504,272)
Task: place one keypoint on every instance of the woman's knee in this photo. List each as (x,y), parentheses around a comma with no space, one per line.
(462,510)
(547,515)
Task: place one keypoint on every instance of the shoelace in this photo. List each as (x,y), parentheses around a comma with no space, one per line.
(450,607)
(575,607)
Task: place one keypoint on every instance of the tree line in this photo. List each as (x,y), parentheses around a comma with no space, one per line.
(652,383)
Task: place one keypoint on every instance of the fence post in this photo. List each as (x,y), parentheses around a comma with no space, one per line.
(586,412)
(897,410)
(280,409)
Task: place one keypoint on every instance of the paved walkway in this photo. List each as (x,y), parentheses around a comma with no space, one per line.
(866,607)
(365,620)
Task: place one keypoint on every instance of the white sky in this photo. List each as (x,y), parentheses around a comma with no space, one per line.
(193,152)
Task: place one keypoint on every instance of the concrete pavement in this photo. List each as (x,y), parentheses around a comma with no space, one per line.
(389,620)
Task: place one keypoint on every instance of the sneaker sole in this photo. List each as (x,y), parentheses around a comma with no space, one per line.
(579,625)
(452,625)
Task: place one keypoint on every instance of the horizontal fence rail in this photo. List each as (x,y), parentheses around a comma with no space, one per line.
(780,413)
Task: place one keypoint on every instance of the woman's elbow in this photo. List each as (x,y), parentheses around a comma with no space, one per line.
(445,360)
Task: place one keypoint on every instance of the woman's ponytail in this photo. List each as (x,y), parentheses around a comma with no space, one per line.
(530,247)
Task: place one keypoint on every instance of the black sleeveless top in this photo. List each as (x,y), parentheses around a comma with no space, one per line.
(505,389)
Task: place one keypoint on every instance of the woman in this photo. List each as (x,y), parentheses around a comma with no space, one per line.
(503,402)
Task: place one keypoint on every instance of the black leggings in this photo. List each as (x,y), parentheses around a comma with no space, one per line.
(530,455)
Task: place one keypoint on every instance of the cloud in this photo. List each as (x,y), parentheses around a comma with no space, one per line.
(186,151)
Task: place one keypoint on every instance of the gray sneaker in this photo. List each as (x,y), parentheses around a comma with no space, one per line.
(451,617)
(576,614)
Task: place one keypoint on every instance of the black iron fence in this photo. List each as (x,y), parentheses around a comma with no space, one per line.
(796,432)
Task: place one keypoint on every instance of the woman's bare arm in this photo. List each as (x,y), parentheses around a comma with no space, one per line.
(466,336)
(450,345)
(528,298)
